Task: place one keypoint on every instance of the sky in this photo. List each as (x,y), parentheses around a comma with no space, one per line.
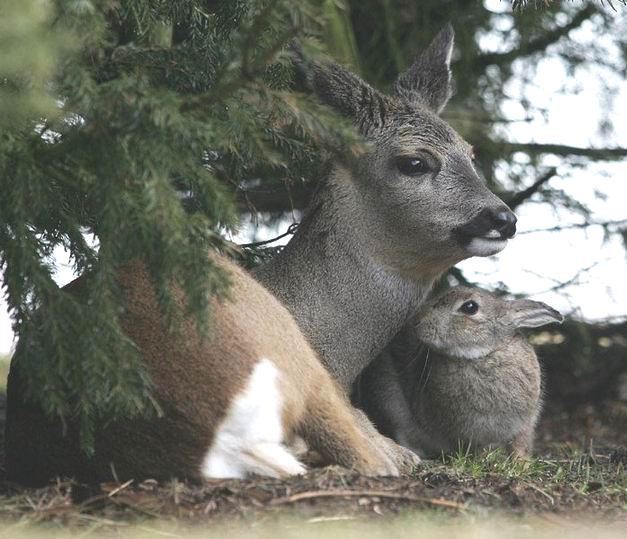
(535,262)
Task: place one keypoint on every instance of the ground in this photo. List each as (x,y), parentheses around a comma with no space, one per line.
(579,472)
(576,478)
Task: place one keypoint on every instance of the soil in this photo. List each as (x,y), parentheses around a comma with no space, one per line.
(579,470)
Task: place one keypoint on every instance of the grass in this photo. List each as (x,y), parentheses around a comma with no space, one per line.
(584,471)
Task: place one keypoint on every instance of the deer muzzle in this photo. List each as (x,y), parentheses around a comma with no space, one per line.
(487,233)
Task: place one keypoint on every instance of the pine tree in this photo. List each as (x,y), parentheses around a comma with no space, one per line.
(129,127)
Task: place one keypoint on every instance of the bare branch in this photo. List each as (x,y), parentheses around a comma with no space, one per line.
(538,44)
(605,224)
(520,197)
(296,196)
(521,4)
(599,154)
(568,282)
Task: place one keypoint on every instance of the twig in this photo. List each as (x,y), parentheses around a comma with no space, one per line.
(365,493)
(523,195)
(564,284)
(338,518)
(290,230)
(120,487)
(557,228)
(544,493)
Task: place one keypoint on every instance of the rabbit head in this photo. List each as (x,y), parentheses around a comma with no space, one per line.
(469,323)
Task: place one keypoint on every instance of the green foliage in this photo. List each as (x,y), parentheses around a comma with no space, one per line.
(163,111)
(29,49)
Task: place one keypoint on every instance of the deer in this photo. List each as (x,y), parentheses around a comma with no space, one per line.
(469,377)
(384,227)
(378,233)
(232,401)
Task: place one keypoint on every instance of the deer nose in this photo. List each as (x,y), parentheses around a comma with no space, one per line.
(504,221)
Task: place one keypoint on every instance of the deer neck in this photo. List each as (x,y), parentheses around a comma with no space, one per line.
(348,304)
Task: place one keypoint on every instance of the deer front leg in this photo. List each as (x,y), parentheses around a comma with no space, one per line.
(332,429)
(403,458)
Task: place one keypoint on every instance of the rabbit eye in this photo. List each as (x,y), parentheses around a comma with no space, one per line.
(469,307)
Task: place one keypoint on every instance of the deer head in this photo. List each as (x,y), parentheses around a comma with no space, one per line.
(414,195)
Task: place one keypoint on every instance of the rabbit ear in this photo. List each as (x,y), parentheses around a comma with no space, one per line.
(524,313)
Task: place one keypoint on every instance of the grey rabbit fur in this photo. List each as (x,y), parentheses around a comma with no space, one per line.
(465,374)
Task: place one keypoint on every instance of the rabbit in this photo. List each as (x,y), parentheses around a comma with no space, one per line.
(464,376)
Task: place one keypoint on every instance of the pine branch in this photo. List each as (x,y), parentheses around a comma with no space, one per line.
(521,4)
(125,146)
(535,45)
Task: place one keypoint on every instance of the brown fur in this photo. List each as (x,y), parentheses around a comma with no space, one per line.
(194,381)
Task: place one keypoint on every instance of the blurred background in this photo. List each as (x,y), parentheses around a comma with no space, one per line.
(540,92)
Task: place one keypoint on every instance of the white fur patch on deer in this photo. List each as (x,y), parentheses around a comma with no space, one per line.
(486,246)
(249,440)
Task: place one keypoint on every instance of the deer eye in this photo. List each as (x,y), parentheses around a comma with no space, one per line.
(469,307)
(412,166)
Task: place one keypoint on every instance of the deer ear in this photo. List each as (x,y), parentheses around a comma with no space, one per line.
(337,87)
(428,79)
(524,313)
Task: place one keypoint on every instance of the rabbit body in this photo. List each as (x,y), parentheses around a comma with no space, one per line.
(489,401)
(463,376)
